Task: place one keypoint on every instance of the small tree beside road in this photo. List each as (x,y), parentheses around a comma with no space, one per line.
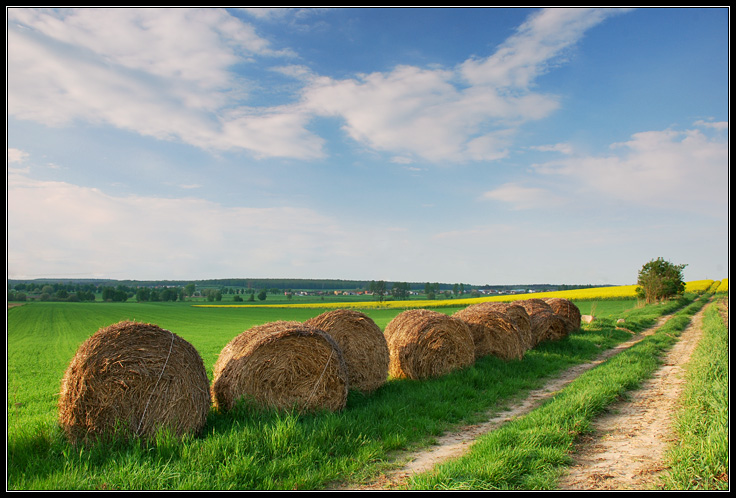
(659,280)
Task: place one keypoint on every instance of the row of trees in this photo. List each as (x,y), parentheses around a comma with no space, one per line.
(23,291)
(657,280)
(402,290)
(60,295)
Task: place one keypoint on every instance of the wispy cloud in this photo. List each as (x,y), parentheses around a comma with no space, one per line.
(167,73)
(459,114)
(681,170)
(562,148)
(16,156)
(164,73)
(538,44)
(716,125)
(520,197)
(140,235)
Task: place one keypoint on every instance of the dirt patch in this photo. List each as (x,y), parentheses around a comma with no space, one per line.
(624,451)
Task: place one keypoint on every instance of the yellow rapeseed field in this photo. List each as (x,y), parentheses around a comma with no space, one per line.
(723,286)
(590,294)
(699,285)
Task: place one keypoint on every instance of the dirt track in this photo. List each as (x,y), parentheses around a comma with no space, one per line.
(625,450)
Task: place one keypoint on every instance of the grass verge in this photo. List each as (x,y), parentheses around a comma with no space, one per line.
(699,460)
(530,453)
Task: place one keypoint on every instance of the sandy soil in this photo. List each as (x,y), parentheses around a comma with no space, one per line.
(624,451)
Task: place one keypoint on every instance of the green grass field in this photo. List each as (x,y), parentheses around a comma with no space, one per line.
(43,337)
(248,448)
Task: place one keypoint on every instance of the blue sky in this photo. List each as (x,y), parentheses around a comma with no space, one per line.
(475,145)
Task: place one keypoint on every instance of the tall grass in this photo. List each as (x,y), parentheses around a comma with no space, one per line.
(699,459)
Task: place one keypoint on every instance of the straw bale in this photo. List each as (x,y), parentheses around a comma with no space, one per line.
(281,365)
(424,343)
(494,332)
(518,315)
(567,310)
(133,379)
(548,326)
(534,305)
(544,323)
(362,343)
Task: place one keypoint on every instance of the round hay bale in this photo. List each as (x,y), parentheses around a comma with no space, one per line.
(424,344)
(133,379)
(534,305)
(482,339)
(281,365)
(494,332)
(363,346)
(567,310)
(520,317)
(547,326)
(544,326)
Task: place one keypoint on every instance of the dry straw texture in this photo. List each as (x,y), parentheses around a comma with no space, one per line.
(567,310)
(133,379)
(281,365)
(363,346)
(424,343)
(546,325)
(494,332)
(534,305)
(519,316)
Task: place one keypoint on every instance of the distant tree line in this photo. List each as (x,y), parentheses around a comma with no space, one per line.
(71,292)
(242,289)
(84,292)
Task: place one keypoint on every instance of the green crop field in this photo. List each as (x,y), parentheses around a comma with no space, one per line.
(252,449)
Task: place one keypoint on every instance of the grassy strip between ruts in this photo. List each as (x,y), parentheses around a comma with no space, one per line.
(699,460)
(531,452)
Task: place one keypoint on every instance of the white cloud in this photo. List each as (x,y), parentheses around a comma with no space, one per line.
(682,170)
(168,73)
(537,44)
(279,13)
(194,45)
(164,73)
(56,228)
(562,148)
(16,156)
(520,197)
(61,229)
(278,132)
(716,125)
(421,113)
(402,160)
(428,114)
